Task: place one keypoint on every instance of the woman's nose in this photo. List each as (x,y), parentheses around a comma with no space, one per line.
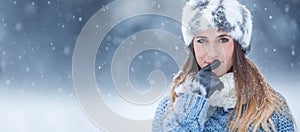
(213,51)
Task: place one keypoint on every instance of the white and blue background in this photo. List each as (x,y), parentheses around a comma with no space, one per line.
(61,71)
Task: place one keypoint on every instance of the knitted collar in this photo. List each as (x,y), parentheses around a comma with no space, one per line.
(226,97)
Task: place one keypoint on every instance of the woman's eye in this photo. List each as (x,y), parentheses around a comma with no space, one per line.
(224,40)
(202,41)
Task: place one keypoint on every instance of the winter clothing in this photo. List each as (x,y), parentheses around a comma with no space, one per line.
(210,82)
(209,79)
(225,15)
(193,112)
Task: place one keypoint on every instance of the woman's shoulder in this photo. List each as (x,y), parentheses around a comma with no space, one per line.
(281,99)
(272,90)
(281,104)
(282,116)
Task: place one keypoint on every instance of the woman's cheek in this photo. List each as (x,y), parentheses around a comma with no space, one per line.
(200,56)
(229,55)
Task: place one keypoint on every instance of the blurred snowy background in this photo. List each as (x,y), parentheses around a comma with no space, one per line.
(37,38)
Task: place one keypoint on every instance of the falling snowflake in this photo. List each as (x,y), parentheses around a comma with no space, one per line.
(18,26)
(270,17)
(293,52)
(176,48)
(140,57)
(27,69)
(8,81)
(132,69)
(79,19)
(66,50)
(134,37)
(286,8)
(292,64)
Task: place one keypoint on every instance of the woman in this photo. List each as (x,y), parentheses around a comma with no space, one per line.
(218,88)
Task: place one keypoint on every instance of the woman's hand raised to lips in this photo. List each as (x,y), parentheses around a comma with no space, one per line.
(209,79)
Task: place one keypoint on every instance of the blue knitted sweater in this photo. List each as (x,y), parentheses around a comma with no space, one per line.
(188,112)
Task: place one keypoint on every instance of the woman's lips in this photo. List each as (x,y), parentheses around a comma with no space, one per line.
(207,62)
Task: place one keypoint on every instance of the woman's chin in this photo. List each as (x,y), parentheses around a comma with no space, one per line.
(218,72)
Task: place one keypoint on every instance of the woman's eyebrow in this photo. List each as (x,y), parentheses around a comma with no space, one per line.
(223,35)
(201,37)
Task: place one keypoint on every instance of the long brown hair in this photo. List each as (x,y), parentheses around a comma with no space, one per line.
(256,100)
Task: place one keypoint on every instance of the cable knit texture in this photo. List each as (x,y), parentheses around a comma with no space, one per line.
(185,120)
(190,110)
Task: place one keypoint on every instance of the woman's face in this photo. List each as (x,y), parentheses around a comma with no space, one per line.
(212,44)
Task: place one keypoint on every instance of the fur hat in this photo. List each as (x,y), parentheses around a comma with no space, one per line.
(225,15)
